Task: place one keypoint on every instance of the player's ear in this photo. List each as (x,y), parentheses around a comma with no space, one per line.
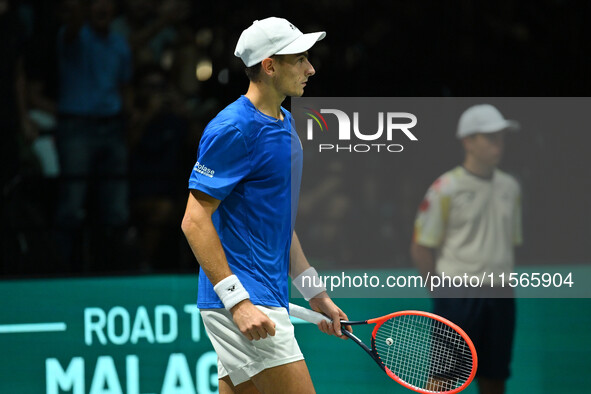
(268,66)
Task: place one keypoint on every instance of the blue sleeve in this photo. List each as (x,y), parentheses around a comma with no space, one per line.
(222,162)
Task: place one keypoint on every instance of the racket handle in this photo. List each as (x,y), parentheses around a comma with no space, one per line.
(307,314)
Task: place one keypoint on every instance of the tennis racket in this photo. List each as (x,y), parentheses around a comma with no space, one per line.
(420,350)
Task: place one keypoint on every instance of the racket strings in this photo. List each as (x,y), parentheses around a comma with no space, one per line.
(424,352)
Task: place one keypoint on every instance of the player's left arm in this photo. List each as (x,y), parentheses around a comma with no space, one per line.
(320,302)
(298,262)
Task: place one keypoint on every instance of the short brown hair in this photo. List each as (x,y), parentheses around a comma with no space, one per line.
(253,72)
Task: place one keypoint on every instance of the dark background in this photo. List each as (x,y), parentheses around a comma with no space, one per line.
(388,49)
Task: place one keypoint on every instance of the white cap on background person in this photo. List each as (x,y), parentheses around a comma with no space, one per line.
(273,36)
(483,118)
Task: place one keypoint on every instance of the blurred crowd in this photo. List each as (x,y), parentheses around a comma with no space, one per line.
(102,103)
(102,106)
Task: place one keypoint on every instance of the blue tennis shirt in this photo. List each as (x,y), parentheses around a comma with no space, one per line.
(252,163)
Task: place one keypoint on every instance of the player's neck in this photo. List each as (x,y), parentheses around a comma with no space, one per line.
(477,168)
(265,99)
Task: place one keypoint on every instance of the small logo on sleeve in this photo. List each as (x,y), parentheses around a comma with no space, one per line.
(200,168)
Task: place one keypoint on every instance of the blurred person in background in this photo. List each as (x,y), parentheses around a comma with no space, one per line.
(469,223)
(18,134)
(95,67)
(42,80)
(15,124)
(159,130)
(150,27)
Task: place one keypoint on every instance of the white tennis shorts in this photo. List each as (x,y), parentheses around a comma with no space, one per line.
(242,359)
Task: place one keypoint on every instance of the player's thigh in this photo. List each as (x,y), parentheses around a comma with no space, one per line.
(287,378)
(226,387)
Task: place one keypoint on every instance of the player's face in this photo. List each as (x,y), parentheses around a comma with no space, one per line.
(292,73)
(486,148)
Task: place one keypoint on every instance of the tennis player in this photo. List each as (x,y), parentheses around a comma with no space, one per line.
(240,218)
(469,223)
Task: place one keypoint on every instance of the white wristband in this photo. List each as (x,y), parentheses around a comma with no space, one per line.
(231,291)
(309,284)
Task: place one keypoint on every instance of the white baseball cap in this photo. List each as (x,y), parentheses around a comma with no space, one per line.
(273,36)
(483,118)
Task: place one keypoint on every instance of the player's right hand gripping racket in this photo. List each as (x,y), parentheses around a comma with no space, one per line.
(420,350)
